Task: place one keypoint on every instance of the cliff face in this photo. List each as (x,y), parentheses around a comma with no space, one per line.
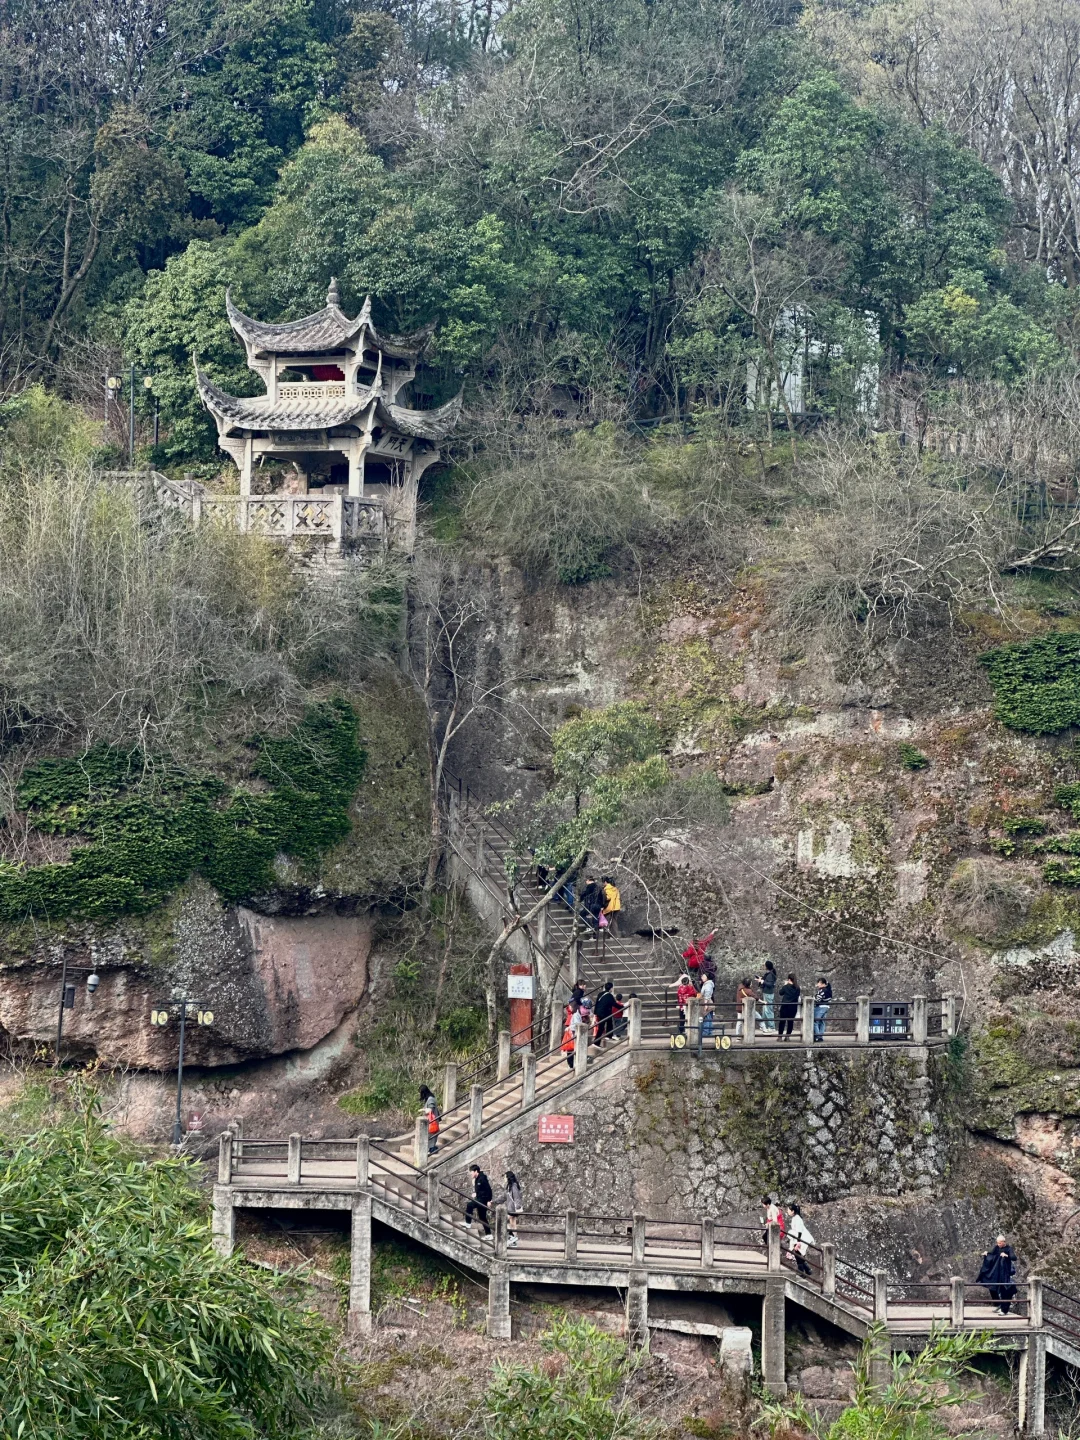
(878,816)
(279,972)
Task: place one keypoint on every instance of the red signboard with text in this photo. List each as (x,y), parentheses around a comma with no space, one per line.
(556,1129)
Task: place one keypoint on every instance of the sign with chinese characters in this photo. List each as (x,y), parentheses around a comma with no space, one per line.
(519,987)
(195,1122)
(556,1130)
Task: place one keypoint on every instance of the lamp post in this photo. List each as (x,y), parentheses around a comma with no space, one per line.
(148,385)
(67,1001)
(162,1017)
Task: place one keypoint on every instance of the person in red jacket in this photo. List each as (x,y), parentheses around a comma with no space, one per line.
(694,954)
(685,992)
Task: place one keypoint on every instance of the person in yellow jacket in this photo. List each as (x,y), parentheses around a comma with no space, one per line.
(612,904)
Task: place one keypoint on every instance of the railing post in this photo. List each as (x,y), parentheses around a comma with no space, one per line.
(881,1296)
(295,1143)
(238,1142)
(503,1071)
(581,1051)
(432,1197)
(570,1251)
(918,1020)
(633,1009)
(1035,1302)
(862,1020)
(363,1161)
(774,1246)
(558,1025)
(708,1237)
(528,1079)
(224,1163)
(828,1268)
(449,1086)
(949,1015)
(807,1004)
(476,1111)
(500,1232)
(956,1302)
(749,1019)
(637,1240)
(693,1022)
(420,1141)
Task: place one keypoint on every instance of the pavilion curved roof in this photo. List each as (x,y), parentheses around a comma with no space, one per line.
(260,413)
(329,329)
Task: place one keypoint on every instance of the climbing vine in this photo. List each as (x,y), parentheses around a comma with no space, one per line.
(142,826)
(1037,683)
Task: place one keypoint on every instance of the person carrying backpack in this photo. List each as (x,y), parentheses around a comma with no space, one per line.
(478,1205)
(430,1107)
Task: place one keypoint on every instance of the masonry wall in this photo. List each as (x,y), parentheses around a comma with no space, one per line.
(675,1135)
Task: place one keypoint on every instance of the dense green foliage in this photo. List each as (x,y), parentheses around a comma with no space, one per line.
(1037,683)
(117,1319)
(141,828)
(578,1392)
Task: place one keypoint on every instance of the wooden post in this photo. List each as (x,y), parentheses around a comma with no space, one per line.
(476,1111)
(774,1246)
(862,1019)
(1035,1302)
(581,1051)
(558,1024)
(749,1020)
(363,1161)
(433,1197)
(295,1143)
(807,1004)
(633,1010)
(420,1141)
(956,1302)
(449,1087)
(881,1296)
(571,1237)
(708,1237)
(637,1240)
(828,1268)
(528,1079)
(918,1020)
(224,1164)
(950,1015)
(503,1071)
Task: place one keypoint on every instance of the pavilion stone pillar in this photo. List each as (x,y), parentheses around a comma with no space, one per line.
(245,468)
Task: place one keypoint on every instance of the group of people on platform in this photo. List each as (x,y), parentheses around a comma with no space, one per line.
(775,1005)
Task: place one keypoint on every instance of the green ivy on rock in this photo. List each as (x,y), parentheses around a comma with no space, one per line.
(1037,683)
(142,828)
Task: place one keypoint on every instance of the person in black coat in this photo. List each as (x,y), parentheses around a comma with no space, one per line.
(478,1205)
(605,1004)
(788,1000)
(996,1273)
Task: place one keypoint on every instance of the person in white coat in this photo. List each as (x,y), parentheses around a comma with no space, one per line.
(798,1237)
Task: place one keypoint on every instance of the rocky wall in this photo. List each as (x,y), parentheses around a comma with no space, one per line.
(680,1136)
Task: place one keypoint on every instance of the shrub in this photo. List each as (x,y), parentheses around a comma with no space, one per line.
(1037,683)
(145,827)
(910,758)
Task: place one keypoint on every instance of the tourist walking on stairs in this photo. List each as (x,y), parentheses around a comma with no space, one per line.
(799,1237)
(605,1006)
(996,1273)
(612,904)
(431,1110)
(513,1206)
(788,997)
(478,1205)
(568,1040)
(774,1215)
